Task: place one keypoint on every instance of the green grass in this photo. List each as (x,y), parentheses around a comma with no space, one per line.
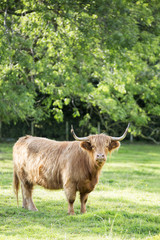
(124,205)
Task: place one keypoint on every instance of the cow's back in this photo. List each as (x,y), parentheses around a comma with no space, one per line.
(29,149)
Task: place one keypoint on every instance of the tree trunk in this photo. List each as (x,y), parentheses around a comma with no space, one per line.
(99,127)
(67,128)
(0,130)
(32,128)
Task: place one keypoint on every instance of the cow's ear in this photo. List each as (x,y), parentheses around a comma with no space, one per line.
(113,145)
(86,145)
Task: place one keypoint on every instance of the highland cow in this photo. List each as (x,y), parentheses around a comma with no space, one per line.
(71,165)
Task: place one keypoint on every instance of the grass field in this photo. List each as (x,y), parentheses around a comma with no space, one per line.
(124,205)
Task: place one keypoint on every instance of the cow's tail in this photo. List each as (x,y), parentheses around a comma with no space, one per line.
(16,185)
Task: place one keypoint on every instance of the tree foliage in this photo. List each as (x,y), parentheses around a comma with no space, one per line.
(101,56)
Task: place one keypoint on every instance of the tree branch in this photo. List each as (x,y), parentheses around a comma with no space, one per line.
(17,14)
(149,138)
(24,13)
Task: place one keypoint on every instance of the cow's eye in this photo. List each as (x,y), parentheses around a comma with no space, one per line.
(93,147)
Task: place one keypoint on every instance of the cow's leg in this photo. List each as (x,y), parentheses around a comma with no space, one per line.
(83,198)
(27,196)
(70,192)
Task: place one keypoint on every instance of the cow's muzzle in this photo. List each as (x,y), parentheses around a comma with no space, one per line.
(100,157)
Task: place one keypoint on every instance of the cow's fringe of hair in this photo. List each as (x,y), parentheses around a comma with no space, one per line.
(16,185)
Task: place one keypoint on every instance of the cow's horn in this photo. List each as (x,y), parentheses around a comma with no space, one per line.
(123,136)
(78,138)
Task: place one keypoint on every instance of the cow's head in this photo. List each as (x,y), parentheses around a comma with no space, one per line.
(99,145)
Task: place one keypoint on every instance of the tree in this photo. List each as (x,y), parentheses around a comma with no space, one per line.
(101,56)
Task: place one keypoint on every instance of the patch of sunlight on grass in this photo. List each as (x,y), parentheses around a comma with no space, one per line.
(130,195)
(157,237)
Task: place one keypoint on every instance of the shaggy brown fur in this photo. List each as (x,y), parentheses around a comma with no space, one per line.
(73,166)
